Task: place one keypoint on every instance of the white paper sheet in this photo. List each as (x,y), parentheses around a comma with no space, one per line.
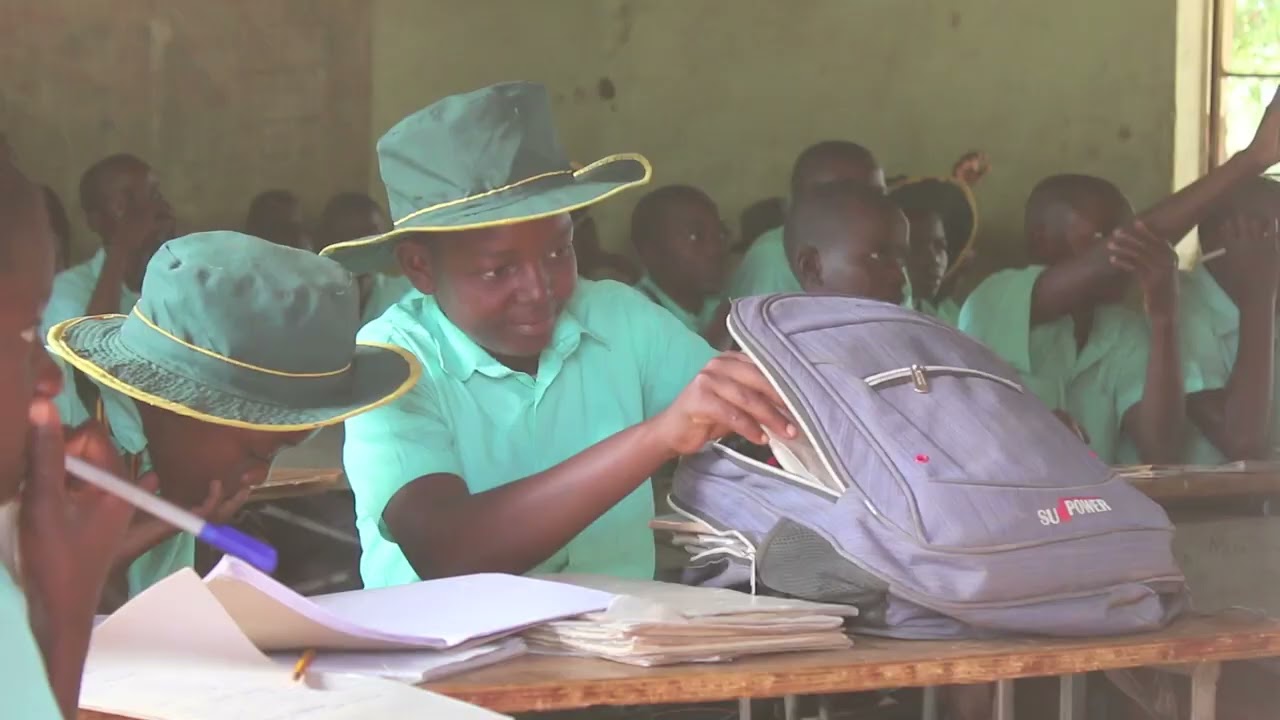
(173,653)
(434,614)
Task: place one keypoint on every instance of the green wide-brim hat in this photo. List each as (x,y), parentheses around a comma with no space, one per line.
(477,160)
(233,330)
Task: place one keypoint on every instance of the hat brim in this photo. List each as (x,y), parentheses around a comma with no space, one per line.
(532,199)
(380,374)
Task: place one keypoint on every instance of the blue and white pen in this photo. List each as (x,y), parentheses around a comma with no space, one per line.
(224,538)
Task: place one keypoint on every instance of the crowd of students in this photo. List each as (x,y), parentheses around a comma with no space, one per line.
(504,413)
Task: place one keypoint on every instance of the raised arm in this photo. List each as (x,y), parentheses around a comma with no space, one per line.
(1173,217)
(1237,418)
(445,530)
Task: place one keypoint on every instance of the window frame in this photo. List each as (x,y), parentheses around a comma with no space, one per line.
(1220,42)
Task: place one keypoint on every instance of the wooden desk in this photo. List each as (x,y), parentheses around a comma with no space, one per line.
(1194,486)
(551,683)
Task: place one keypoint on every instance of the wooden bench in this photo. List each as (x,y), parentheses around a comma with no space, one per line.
(539,683)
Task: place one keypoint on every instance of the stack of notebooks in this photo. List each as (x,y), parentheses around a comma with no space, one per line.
(652,623)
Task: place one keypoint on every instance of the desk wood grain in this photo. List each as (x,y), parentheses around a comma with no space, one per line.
(1191,486)
(550,683)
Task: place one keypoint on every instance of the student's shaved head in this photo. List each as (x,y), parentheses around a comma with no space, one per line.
(1064,213)
(680,238)
(833,160)
(645,219)
(98,182)
(847,238)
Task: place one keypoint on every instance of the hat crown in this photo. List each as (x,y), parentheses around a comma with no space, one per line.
(468,144)
(254,302)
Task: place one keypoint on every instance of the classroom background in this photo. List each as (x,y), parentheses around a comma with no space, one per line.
(230,98)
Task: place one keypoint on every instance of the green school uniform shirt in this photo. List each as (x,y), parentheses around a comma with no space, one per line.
(179,550)
(764,269)
(24,683)
(615,359)
(696,323)
(1096,384)
(1209,322)
(72,290)
(387,290)
(948,311)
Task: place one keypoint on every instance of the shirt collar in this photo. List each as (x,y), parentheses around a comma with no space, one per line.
(461,357)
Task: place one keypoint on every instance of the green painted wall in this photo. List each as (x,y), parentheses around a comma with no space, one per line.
(724,93)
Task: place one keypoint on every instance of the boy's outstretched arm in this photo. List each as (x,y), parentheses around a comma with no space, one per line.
(1173,217)
(1158,421)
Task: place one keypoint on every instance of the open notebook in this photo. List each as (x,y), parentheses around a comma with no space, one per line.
(173,652)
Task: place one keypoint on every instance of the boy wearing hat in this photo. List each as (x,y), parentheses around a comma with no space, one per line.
(944,223)
(677,232)
(56,544)
(547,401)
(237,349)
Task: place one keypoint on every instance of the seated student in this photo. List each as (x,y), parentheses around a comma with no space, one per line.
(848,239)
(63,541)
(237,349)
(351,215)
(61,226)
(123,205)
(944,222)
(594,262)
(276,215)
(765,268)
(547,400)
(677,232)
(1228,322)
(1059,322)
(758,218)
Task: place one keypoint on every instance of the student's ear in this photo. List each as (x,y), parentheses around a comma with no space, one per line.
(809,267)
(414,258)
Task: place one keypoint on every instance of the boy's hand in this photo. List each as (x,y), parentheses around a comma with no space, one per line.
(729,395)
(150,531)
(1252,259)
(1264,151)
(971,168)
(1155,264)
(68,533)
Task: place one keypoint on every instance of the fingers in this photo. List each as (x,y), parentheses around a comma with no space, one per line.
(91,443)
(1137,249)
(211,500)
(228,508)
(737,381)
(45,485)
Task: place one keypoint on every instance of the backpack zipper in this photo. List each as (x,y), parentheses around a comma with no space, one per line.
(919,376)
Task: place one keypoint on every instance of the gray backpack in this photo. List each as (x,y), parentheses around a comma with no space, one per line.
(926,487)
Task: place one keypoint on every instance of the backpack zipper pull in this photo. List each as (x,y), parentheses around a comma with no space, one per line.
(919,380)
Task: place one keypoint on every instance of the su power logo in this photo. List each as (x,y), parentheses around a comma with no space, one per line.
(1068,508)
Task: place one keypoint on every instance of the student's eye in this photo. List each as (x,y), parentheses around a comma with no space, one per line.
(496,273)
(561,252)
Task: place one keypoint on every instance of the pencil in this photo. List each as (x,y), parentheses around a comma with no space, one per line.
(304,662)
(1213,254)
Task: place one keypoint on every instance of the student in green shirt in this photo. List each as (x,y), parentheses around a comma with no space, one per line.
(681,241)
(943,216)
(547,400)
(765,268)
(56,545)
(1229,326)
(848,239)
(351,215)
(237,349)
(1060,322)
